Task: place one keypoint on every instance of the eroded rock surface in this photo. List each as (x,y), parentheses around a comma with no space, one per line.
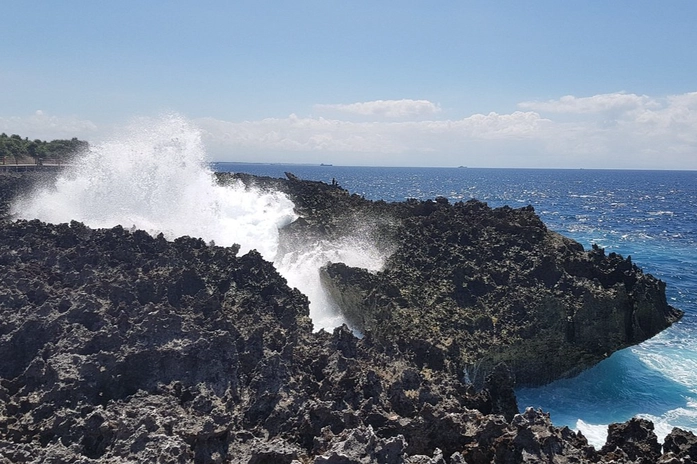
(467,286)
(121,347)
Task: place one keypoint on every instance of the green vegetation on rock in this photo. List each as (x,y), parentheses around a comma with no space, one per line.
(14,149)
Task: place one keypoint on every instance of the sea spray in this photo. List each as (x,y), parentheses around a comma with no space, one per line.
(594,433)
(155,177)
(301,269)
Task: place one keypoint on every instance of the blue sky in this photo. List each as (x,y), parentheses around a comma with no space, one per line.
(588,84)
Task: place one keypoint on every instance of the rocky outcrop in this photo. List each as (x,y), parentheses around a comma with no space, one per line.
(680,446)
(326,212)
(479,286)
(467,286)
(633,441)
(118,345)
(122,347)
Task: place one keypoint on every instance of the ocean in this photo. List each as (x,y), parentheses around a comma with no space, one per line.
(157,177)
(649,215)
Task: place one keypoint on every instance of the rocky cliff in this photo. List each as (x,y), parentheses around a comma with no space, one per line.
(117,346)
(467,286)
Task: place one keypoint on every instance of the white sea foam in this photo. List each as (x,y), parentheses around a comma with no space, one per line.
(661,213)
(664,424)
(596,434)
(154,176)
(680,369)
(673,356)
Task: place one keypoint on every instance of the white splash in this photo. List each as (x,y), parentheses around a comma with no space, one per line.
(596,434)
(155,177)
(301,269)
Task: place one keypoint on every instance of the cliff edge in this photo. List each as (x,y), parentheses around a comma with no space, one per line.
(467,286)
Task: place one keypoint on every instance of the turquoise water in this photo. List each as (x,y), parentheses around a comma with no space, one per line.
(650,215)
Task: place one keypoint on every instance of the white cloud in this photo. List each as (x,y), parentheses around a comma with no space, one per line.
(610,130)
(595,104)
(47,127)
(404,108)
(615,130)
(331,135)
(490,126)
(300,135)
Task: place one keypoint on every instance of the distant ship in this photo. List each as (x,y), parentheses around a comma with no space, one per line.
(322,164)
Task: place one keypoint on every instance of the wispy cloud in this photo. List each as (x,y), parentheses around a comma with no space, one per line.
(404,108)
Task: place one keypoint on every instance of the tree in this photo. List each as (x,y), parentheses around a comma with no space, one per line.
(13,145)
(38,149)
(35,150)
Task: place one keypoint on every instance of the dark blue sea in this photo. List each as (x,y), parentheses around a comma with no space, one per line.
(650,215)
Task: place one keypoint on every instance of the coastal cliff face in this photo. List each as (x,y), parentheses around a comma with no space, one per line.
(117,346)
(467,286)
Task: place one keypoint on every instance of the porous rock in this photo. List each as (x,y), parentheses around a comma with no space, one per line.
(633,441)
(122,347)
(467,286)
(680,446)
